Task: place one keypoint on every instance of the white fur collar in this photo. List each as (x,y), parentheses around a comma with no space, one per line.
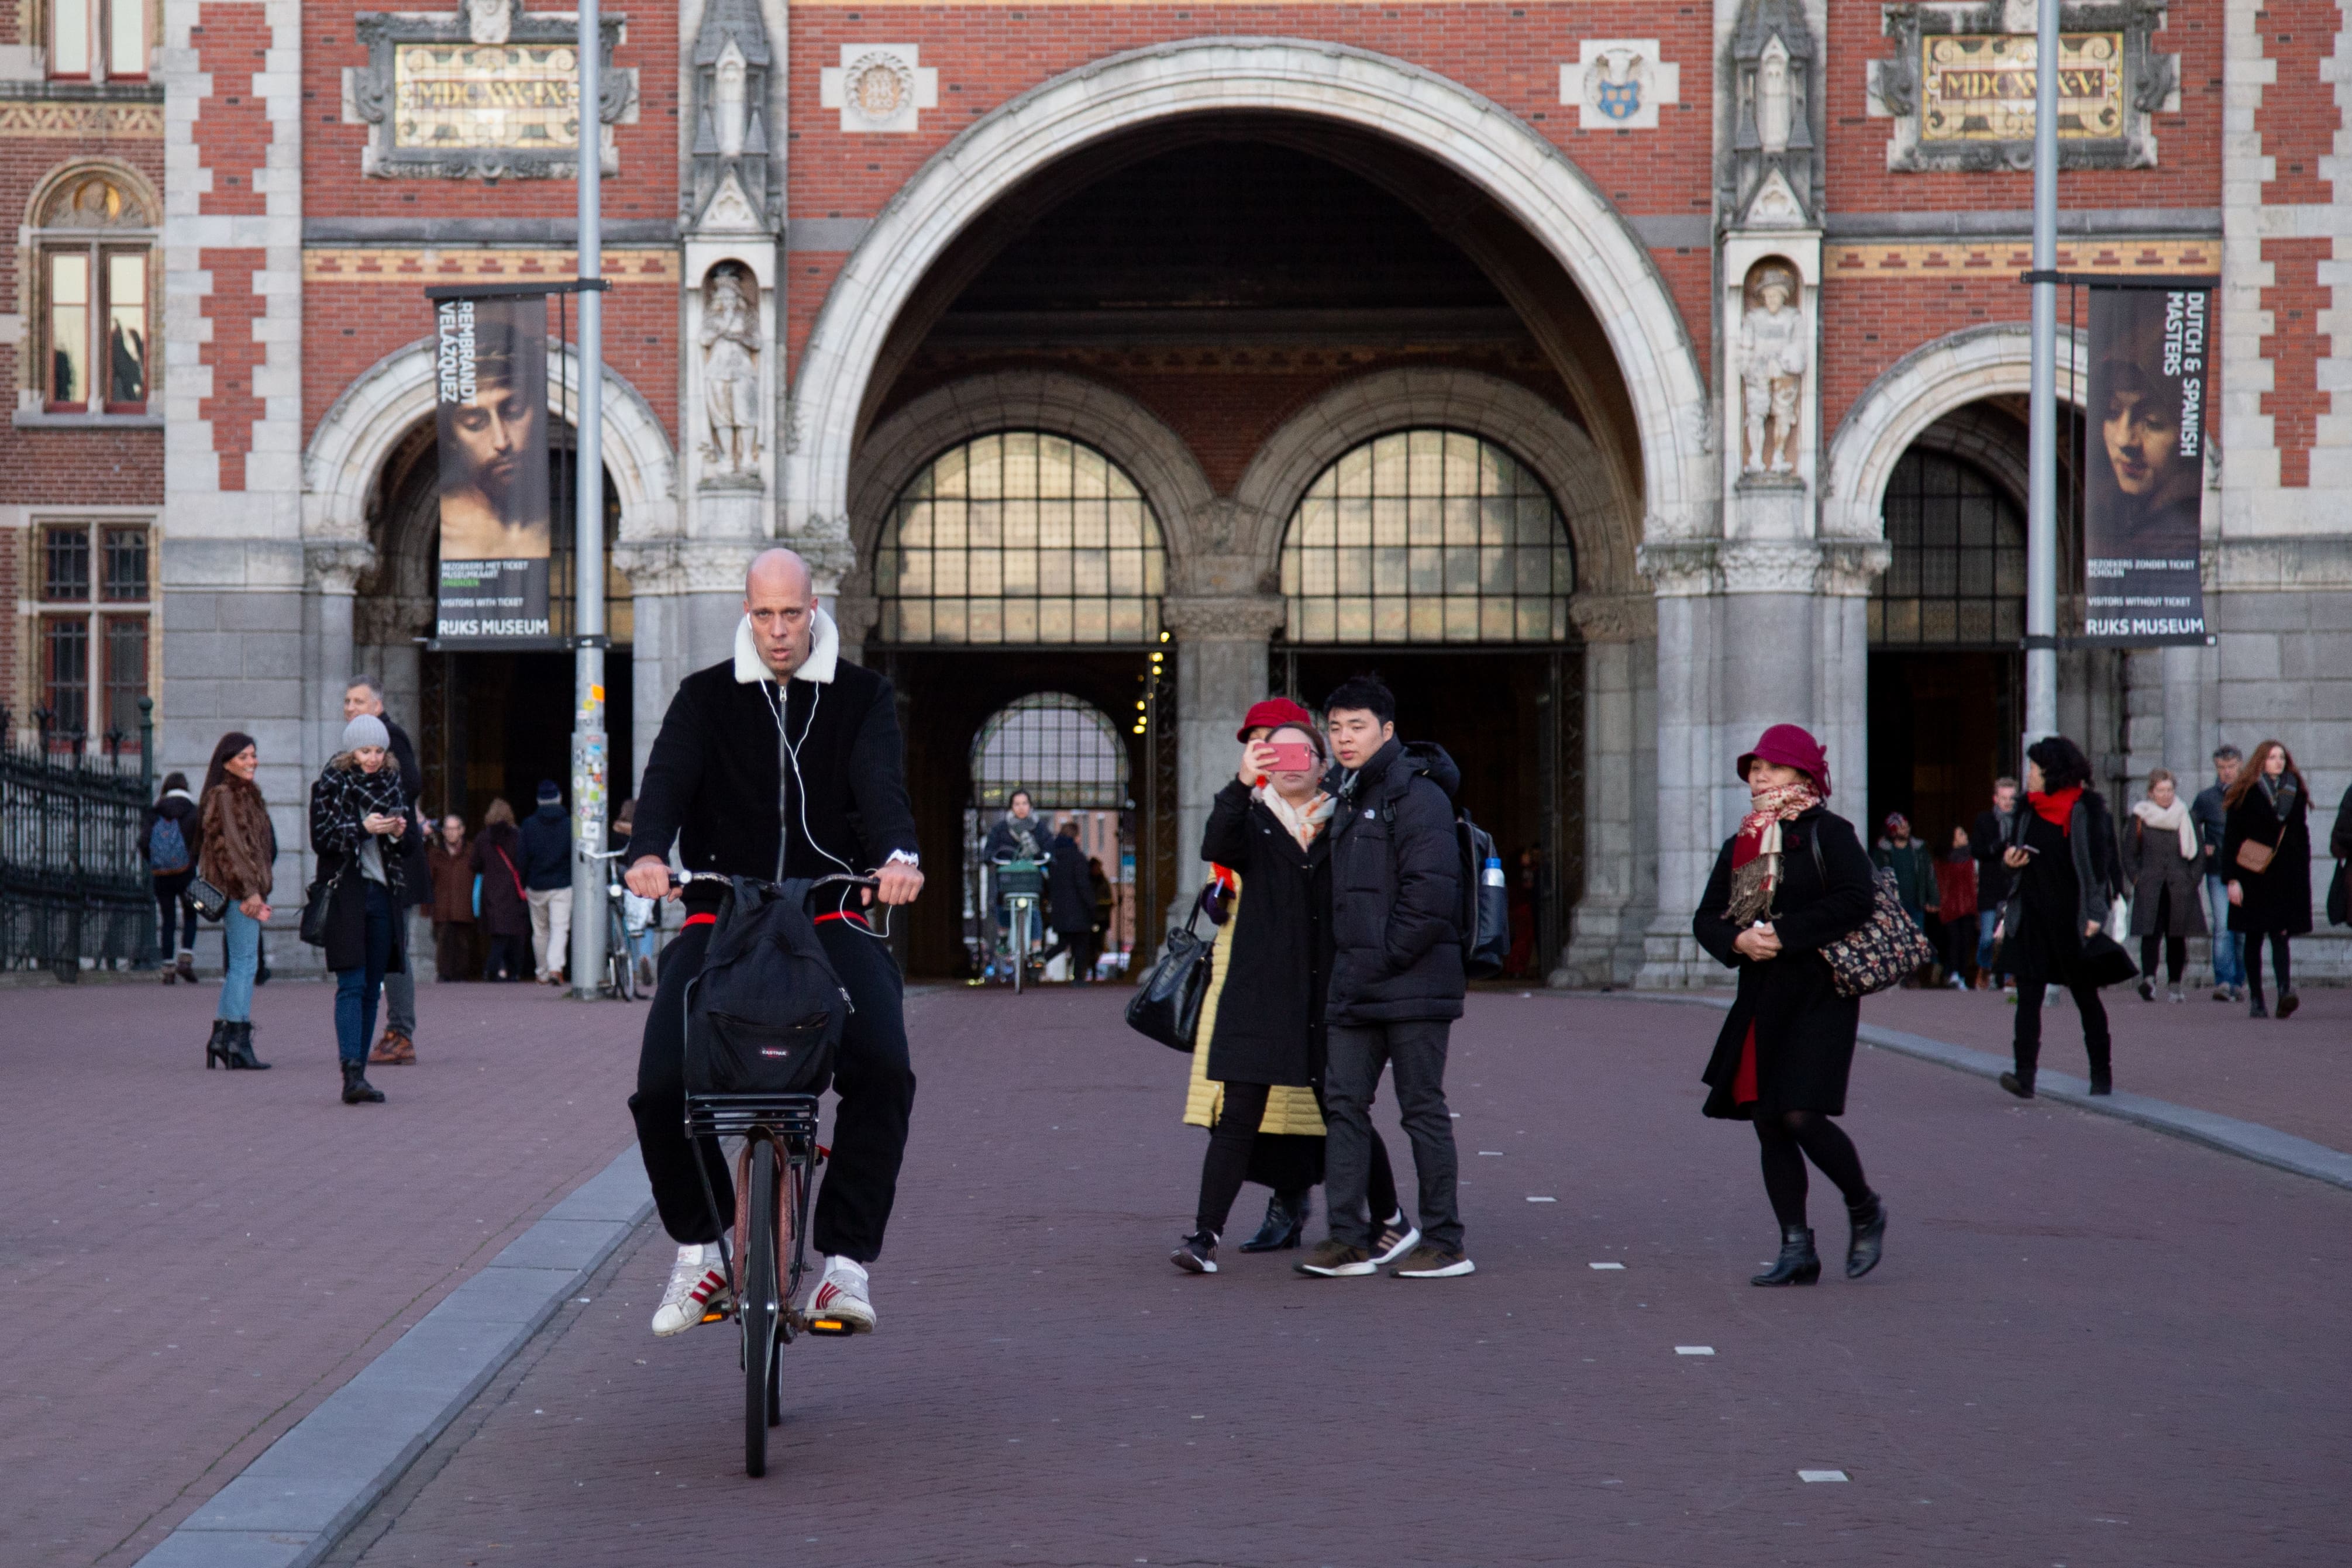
(825,653)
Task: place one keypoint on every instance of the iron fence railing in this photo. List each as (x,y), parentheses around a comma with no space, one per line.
(73,883)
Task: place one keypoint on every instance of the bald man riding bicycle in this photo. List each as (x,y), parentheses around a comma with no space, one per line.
(781,762)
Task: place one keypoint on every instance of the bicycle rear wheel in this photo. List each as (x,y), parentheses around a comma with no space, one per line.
(618,958)
(761,1306)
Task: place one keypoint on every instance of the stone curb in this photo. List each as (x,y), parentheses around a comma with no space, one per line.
(2247,1140)
(289,1507)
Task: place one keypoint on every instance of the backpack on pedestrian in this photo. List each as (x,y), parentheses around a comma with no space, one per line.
(167,847)
(766,1013)
(1484,916)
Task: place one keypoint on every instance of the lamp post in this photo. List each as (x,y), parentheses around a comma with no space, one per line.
(2041,486)
(588,739)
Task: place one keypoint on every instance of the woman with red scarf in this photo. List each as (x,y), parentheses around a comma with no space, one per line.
(1793,880)
(2069,872)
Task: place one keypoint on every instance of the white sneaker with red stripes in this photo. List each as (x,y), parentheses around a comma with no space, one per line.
(697,1288)
(840,1304)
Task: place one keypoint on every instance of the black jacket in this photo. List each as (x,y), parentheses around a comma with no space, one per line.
(2278,897)
(2072,882)
(1069,895)
(717,783)
(1269,1023)
(2210,812)
(1994,880)
(340,798)
(1396,889)
(1015,838)
(2339,837)
(180,809)
(1804,1030)
(547,848)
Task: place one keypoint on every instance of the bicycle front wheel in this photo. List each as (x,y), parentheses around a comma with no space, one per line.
(761,1306)
(618,958)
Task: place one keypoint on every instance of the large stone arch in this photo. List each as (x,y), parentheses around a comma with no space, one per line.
(347,452)
(1459,130)
(1932,380)
(1563,457)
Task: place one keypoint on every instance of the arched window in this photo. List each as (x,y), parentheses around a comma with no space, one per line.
(1427,536)
(94,310)
(1063,749)
(1958,576)
(1021,538)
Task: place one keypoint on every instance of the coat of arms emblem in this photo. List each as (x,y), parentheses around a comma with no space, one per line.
(1615,82)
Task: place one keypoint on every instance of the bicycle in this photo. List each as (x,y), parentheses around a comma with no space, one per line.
(620,968)
(780,1151)
(1020,884)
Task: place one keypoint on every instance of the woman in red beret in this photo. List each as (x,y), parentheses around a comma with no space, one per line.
(1793,879)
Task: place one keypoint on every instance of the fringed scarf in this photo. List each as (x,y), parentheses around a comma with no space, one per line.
(1303,822)
(1756,848)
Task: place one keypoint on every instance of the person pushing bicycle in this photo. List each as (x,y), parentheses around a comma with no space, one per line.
(783,762)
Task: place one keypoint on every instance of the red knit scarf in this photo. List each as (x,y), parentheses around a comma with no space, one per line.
(2057,808)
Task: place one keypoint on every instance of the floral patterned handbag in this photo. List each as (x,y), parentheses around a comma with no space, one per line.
(1883,949)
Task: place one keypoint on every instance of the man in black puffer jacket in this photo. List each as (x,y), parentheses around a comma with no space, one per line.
(1396,977)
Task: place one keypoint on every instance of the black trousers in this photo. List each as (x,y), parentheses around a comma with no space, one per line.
(1080,945)
(2028,1041)
(170,894)
(872,1075)
(1236,1145)
(1414,1051)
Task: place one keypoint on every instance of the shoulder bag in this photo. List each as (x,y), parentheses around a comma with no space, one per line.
(210,901)
(1167,1002)
(317,902)
(1883,949)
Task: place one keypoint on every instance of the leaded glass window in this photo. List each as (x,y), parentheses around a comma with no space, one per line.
(1957,575)
(1427,536)
(1063,749)
(1021,538)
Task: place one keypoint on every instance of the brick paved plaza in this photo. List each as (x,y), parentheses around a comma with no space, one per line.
(2090,1344)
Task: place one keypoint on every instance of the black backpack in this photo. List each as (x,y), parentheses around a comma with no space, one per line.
(1484,914)
(765,1015)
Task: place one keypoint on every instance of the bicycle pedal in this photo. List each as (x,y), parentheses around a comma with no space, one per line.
(714,1317)
(828,1326)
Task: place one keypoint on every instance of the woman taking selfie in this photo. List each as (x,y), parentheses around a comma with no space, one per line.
(2061,845)
(1263,1019)
(238,849)
(2267,856)
(360,821)
(1793,880)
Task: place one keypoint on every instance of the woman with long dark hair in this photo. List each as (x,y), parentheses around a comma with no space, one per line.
(2062,846)
(1793,879)
(1261,1054)
(239,853)
(506,914)
(360,823)
(2267,856)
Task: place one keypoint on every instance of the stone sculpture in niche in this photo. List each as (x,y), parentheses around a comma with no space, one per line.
(488,21)
(1772,171)
(731,191)
(731,378)
(1775,354)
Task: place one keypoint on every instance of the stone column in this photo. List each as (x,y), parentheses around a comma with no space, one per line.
(1221,670)
(1620,805)
(688,599)
(1686,577)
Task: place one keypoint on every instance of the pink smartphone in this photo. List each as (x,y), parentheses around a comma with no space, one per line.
(1293,756)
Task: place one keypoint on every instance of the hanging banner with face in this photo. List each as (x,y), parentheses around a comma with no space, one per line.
(2144,470)
(491,407)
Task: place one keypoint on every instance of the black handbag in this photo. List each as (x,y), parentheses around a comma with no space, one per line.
(2104,962)
(1167,1002)
(210,901)
(2339,897)
(316,902)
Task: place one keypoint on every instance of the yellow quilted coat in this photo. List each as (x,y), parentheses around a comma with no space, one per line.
(1289,1108)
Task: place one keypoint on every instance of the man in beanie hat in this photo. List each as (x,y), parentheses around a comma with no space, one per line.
(546,880)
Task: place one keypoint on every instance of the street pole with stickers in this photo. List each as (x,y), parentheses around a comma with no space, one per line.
(588,738)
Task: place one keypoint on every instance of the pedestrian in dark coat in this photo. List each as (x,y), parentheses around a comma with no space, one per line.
(360,822)
(2269,809)
(2063,848)
(1070,904)
(1793,879)
(449,861)
(2163,865)
(496,860)
(1994,880)
(1396,977)
(2340,850)
(176,806)
(1956,905)
(1915,878)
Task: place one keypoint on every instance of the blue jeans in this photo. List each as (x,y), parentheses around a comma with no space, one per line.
(1985,920)
(356,990)
(241,934)
(2229,947)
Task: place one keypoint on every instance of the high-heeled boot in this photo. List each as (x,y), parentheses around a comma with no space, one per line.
(1285,1221)
(217,1048)
(357,1090)
(1798,1264)
(240,1048)
(1862,1253)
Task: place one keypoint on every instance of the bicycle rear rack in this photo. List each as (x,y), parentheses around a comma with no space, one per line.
(734,1115)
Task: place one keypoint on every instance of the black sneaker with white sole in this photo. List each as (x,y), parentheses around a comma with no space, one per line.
(1398,1236)
(1196,1254)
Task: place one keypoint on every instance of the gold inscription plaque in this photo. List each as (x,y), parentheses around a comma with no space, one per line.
(517,96)
(1978,87)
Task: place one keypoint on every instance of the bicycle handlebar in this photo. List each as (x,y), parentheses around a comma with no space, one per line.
(842,878)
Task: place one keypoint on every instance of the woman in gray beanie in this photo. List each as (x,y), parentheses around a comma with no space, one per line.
(360,819)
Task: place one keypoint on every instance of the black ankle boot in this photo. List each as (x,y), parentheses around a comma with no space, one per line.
(240,1048)
(357,1090)
(216,1050)
(1798,1264)
(1285,1222)
(2021,1087)
(1869,1235)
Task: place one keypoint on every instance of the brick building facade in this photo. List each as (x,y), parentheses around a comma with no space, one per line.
(1273,341)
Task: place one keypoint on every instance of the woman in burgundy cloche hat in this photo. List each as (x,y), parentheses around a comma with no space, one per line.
(1791,880)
